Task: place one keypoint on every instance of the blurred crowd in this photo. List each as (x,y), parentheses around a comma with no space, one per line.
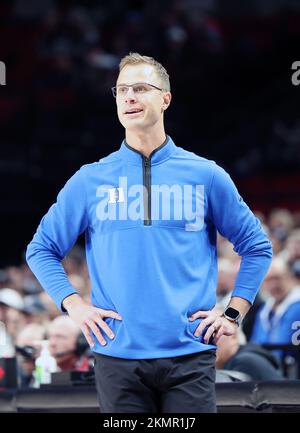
(274,318)
(29,315)
(230,70)
(228,76)
(62,58)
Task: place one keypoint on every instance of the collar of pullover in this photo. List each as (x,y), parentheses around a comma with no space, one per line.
(157,156)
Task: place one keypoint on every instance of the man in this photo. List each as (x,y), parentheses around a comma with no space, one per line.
(227,271)
(152,259)
(275,319)
(234,354)
(27,350)
(12,319)
(63,335)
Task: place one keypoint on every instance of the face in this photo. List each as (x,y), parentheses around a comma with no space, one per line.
(293,247)
(27,365)
(3,309)
(15,321)
(151,103)
(275,283)
(61,339)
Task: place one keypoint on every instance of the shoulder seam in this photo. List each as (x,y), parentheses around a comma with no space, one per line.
(109,162)
(196,158)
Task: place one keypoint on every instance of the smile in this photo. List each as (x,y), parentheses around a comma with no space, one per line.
(133,113)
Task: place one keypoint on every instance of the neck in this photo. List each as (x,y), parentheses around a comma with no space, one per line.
(144,142)
(281,298)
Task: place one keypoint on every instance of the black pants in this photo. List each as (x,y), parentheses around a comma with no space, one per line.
(162,385)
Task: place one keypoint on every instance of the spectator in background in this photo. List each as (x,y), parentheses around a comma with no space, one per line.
(16,278)
(291,252)
(35,311)
(64,341)
(49,305)
(27,350)
(280,225)
(4,281)
(12,316)
(79,284)
(225,249)
(296,271)
(227,272)
(249,358)
(74,261)
(273,324)
(15,321)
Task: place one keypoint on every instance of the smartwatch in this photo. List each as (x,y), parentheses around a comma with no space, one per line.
(233,315)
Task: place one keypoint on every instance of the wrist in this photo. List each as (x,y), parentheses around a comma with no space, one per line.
(232,315)
(71,301)
(232,322)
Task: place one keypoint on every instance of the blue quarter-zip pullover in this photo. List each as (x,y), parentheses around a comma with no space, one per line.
(150,227)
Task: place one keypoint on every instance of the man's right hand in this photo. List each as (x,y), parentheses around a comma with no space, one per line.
(89,318)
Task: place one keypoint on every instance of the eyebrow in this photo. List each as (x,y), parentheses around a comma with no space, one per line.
(139,82)
(123,84)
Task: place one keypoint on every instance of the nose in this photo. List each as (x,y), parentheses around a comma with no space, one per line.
(130,96)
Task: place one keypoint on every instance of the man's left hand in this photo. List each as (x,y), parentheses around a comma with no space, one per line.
(217,325)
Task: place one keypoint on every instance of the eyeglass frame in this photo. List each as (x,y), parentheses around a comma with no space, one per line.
(114,89)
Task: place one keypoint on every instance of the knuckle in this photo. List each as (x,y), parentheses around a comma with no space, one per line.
(108,330)
(101,323)
(85,324)
(96,330)
(89,318)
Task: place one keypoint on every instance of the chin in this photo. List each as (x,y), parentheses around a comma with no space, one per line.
(133,126)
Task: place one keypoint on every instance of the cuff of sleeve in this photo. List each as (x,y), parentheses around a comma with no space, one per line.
(63,296)
(247,294)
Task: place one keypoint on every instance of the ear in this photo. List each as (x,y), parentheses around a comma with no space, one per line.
(167,100)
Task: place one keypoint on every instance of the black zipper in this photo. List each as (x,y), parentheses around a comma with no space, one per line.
(147,186)
(147,180)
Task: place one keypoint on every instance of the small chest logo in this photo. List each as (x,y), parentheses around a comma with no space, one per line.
(116,195)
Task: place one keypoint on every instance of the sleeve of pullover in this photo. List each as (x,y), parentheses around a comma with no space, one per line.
(235,221)
(55,235)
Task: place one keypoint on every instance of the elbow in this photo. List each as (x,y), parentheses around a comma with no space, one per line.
(30,251)
(261,247)
(268,249)
(265,249)
(36,249)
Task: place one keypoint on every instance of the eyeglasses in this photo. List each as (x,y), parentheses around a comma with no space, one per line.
(138,89)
